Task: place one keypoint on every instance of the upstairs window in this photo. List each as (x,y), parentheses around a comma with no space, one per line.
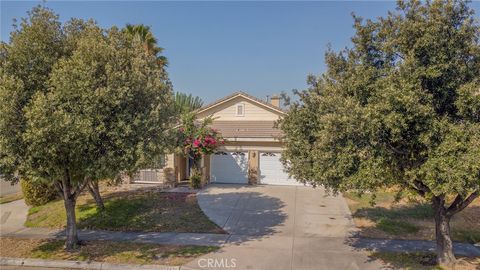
(240,110)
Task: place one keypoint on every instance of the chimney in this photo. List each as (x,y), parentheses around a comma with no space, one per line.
(275,100)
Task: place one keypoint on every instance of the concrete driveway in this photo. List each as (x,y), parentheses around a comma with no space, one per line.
(280,227)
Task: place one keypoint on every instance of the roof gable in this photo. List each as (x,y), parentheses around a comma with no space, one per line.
(241,95)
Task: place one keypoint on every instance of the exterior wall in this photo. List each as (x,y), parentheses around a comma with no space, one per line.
(253,170)
(253,111)
(206,169)
(181,167)
(170,161)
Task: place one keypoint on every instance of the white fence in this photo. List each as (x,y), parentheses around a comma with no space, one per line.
(149,175)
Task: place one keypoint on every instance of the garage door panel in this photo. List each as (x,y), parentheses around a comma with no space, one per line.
(229,167)
(272,171)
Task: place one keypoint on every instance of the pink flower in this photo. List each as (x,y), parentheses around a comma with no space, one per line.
(209,140)
(181,130)
(213,142)
(196,143)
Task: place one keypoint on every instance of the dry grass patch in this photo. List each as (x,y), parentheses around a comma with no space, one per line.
(11,197)
(409,220)
(103,251)
(421,261)
(146,210)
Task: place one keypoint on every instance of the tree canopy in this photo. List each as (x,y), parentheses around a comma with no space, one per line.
(400,108)
(81,103)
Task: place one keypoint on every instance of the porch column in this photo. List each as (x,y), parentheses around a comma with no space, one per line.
(205,169)
(182,167)
(253,170)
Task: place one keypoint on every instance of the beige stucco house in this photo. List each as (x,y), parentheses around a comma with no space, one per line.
(251,154)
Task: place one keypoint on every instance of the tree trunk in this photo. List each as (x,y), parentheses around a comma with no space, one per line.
(69,195)
(445,256)
(95,192)
(71,231)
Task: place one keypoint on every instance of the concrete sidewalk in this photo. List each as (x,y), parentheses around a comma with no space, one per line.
(199,239)
(211,239)
(13,216)
(7,188)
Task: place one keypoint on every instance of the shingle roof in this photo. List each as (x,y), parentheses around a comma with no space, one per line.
(240,93)
(247,129)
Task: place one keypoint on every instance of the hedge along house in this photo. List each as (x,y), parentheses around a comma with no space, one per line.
(251,154)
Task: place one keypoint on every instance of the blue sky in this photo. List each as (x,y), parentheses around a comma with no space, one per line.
(216,48)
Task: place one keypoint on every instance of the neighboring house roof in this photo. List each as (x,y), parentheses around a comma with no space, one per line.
(244,95)
(247,129)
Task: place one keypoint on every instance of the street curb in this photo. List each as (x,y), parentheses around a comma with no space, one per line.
(81,264)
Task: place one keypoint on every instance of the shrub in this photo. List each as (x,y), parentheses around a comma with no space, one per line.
(196,179)
(37,193)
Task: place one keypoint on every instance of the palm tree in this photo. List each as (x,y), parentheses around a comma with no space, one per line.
(187,103)
(142,34)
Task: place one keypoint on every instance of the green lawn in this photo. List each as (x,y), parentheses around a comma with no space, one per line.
(148,211)
(11,197)
(103,251)
(408,220)
(421,261)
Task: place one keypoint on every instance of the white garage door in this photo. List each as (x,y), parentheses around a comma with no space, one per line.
(229,167)
(272,171)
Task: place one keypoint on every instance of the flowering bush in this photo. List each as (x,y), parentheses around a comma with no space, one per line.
(197,138)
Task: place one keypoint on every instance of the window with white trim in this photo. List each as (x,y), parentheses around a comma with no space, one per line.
(240,109)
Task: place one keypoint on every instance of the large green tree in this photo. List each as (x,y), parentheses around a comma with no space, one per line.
(79,103)
(140,35)
(400,108)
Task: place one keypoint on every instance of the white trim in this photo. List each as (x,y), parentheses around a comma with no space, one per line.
(243,148)
(252,139)
(147,182)
(248,98)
